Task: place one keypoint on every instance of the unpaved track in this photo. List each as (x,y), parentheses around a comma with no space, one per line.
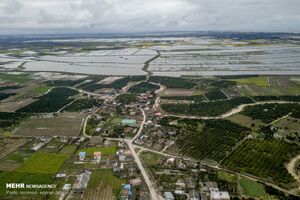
(290,167)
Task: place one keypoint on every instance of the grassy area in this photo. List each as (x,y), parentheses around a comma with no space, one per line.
(104,185)
(15,157)
(14,177)
(150,158)
(261,81)
(227,177)
(41,89)
(106,151)
(246,121)
(251,188)
(16,78)
(44,163)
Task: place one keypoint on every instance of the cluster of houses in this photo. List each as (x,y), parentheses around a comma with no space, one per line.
(208,191)
(125,167)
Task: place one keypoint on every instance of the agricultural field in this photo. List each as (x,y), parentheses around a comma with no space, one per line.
(209,139)
(63,124)
(103,185)
(261,81)
(15,78)
(13,161)
(177,92)
(265,159)
(43,163)
(9,145)
(50,102)
(41,89)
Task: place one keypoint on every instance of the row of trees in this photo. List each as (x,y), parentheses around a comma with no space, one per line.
(206,108)
(264,158)
(210,139)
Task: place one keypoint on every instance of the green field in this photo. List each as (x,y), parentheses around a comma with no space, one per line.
(251,188)
(265,159)
(246,186)
(106,151)
(44,163)
(15,78)
(41,89)
(103,185)
(15,157)
(261,81)
(150,158)
(227,177)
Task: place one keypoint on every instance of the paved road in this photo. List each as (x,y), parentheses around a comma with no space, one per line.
(152,191)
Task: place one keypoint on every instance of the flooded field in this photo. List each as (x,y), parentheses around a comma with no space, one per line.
(166,56)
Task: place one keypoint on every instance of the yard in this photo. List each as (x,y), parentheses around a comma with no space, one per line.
(150,158)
